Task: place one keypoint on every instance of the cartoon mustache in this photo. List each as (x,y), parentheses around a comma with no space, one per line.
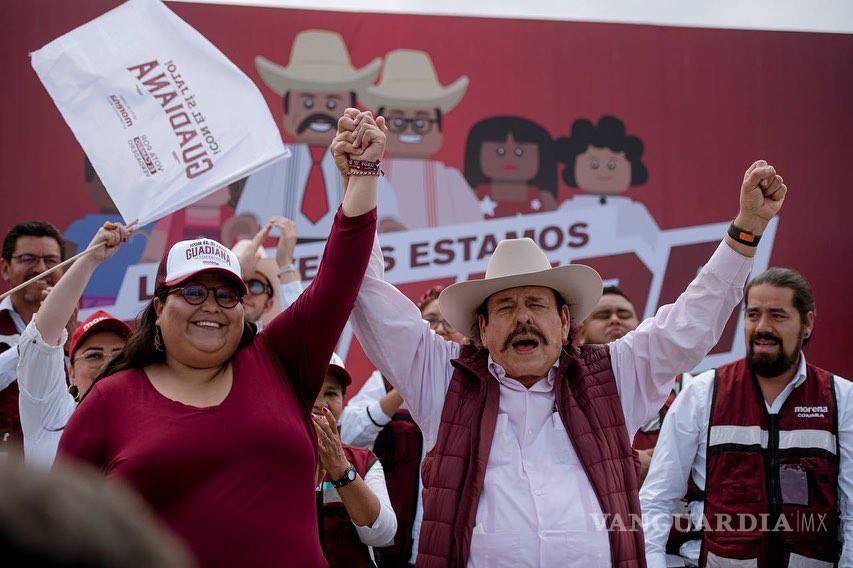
(318,117)
(520,330)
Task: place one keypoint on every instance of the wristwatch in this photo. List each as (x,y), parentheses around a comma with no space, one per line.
(349,477)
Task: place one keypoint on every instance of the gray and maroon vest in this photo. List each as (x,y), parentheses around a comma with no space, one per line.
(588,403)
(340,541)
(398,446)
(772,477)
(11,436)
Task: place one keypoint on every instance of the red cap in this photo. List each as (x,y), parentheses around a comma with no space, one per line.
(99,321)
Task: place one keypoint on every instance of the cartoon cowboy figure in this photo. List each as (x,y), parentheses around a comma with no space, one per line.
(414,104)
(316,86)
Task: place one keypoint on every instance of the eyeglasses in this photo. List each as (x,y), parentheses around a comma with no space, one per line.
(256,287)
(420,125)
(27,259)
(94,358)
(435,323)
(196,294)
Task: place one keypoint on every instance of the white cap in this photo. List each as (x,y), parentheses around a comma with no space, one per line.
(337,368)
(188,258)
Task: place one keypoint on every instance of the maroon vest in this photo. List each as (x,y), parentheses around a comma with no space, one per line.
(11,436)
(780,470)
(338,537)
(398,446)
(647,436)
(454,471)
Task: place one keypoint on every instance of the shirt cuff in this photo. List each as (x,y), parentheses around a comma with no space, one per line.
(729,266)
(375,414)
(344,220)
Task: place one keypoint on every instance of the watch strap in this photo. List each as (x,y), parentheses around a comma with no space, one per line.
(743,236)
(346,479)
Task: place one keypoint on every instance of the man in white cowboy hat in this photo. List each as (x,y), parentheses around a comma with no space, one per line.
(414,103)
(316,86)
(529,438)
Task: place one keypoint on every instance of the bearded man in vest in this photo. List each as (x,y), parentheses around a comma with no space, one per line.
(530,460)
(768,439)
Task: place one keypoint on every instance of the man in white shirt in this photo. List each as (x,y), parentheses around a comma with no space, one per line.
(28,250)
(318,83)
(767,441)
(530,460)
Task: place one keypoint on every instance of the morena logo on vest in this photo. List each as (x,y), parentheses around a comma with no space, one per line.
(811,411)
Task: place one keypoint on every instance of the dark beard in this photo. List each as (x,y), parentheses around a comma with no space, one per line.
(769,366)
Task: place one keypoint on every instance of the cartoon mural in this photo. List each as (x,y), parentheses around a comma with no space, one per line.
(509,161)
(415,104)
(318,83)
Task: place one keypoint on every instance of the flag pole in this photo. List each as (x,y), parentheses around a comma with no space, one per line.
(131,227)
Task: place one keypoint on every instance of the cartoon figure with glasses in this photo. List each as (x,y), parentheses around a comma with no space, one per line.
(414,104)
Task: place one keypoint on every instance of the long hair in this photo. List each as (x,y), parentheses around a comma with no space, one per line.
(140,350)
(498,129)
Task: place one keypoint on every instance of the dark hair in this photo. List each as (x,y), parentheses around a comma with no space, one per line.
(139,351)
(31,229)
(286,100)
(608,133)
(483,310)
(787,278)
(429,296)
(616,291)
(498,129)
(438,120)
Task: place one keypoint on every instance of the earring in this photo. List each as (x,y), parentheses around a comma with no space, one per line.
(158,343)
(74,392)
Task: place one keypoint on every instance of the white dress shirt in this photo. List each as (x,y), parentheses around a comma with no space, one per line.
(431,194)
(681,452)
(383,529)
(278,190)
(9,358)
(360,430)
(44,402)
(538,507)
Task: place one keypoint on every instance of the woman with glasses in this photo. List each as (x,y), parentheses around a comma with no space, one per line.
(209,421)
(48,394)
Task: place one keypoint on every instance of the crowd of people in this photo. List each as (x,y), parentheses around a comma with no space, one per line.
(526,418)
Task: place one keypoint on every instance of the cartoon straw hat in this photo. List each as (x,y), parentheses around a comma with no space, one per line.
(319,61)
(409,81)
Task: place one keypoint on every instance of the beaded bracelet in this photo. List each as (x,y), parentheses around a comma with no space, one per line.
(364,168)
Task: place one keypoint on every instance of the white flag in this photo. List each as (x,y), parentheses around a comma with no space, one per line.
(163,115)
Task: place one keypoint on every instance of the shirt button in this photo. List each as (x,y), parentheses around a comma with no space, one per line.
(538,492)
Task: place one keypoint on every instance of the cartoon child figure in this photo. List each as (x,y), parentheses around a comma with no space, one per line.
(415,105)
(510,163)
(602,159)
(316,86)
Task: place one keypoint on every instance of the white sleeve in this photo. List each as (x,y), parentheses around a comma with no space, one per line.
(680,440)
(289,293)
(399,342)
(8,367)
(646,360)
(844,399)
(383,529)
(44,403)
(362,418)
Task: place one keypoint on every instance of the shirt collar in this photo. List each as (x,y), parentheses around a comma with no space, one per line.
(801,371)
(499,373)
(6,305)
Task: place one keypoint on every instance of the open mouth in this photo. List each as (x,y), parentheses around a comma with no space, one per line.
(208,324)
(410,138)
(320,126)
(525,345)
(765,344)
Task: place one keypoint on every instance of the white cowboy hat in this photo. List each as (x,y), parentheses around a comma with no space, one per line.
(319,61)
(409,81)
(519,262)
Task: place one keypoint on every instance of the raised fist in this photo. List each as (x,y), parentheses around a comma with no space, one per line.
(761,196)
